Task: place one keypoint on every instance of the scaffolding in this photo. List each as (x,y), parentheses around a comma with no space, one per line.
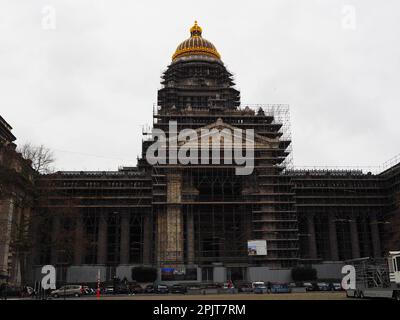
(342,213)
(215,212)
(108,212)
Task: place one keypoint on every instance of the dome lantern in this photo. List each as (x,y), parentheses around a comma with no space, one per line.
(196,30)
(196,45)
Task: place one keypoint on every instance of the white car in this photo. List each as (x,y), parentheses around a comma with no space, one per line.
(308,286)
(68,290)
(258,284)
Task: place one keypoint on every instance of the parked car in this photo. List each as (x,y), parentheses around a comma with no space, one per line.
(260,289)
(196,287)
(335,286)
(178,288)
(149,288)
(280,288)
(161,288)
(68,290)
(245,287)
(208,285)
(309,286)
(109,290)
(136,289)
(122,289)
(322,286)
(90,291)
(257,284)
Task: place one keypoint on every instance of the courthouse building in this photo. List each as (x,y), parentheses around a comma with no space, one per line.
(199,221)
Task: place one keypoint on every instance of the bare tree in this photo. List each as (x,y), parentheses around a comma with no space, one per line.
(42,158)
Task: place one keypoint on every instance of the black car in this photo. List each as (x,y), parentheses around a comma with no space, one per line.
(136,289)
(245,287)
(149,289)
(122,289)
(335,286)
(178,288)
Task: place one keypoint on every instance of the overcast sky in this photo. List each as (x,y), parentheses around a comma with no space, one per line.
(86,87)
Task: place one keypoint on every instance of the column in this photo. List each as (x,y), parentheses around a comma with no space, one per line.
(190,236)
(312,244)
(54,238)
(355,244)
(174,248)
(170,225)
(102,239)
(124,247)
(376,241)
(147,237)
(161,235)
(33,234)
(333,238)
(79,241)
(365,237)
(6,215)
(33,257)
(25,262)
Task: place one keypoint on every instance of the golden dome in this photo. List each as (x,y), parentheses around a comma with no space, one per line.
(196,45)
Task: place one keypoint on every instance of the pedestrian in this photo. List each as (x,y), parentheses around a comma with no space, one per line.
(230,286)
(3,290)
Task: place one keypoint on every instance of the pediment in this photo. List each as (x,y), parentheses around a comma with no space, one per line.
(206,132)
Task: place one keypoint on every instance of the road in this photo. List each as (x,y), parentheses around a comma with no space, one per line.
(240,296)
(282,296)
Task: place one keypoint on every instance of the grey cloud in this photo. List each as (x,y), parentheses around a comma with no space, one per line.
(86,88)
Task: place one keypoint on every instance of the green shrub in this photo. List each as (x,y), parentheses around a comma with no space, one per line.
(144,274)
(304,274)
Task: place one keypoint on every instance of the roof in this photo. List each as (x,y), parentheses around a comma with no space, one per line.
(5,131)
(196,45)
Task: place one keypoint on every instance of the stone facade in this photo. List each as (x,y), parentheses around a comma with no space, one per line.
(16,194)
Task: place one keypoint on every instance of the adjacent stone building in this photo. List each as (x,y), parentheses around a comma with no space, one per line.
(16,195)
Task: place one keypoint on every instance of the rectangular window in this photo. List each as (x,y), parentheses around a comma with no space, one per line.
(397,264)
(207,274)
